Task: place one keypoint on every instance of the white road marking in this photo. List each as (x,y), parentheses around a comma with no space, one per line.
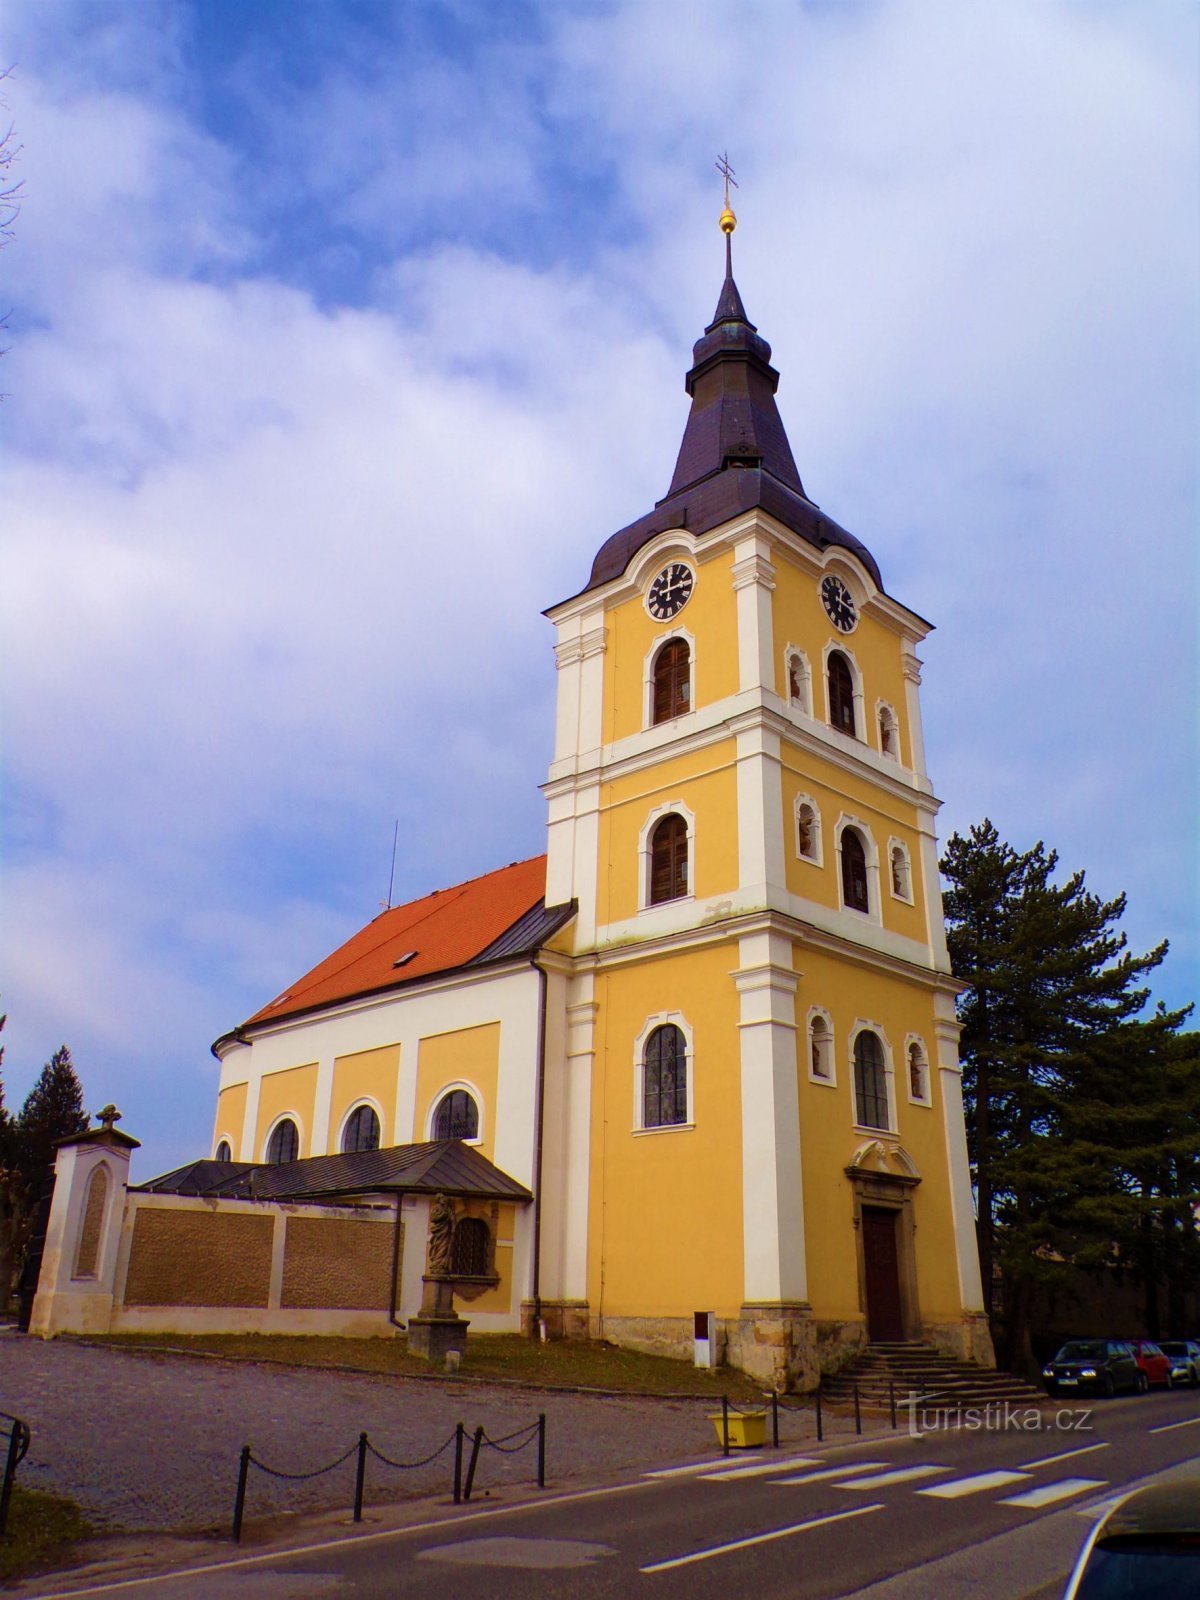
(1065,1455)
(758,1538)
(882,1480)
(732,1474)
(1101,1508)
(1170,1427)
(973,1485)
(831,1472)
(1050,1492)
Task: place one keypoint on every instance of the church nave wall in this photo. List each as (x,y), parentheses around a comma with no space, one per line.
(292,1092)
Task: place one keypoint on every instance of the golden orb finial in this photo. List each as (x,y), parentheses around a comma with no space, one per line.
(728,221)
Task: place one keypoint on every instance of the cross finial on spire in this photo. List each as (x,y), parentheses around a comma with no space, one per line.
(728,220)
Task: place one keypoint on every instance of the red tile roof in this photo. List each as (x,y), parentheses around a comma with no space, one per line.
(446,930)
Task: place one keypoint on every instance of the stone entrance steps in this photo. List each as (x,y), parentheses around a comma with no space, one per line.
(941,1381)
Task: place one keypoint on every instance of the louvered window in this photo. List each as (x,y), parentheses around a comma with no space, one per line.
(672,680)
(841,693)
(457,1117)
(664,1078)
(669,860)
(854,872)
(870,1082)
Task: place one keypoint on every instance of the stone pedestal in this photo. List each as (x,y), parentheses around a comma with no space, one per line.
(437,1328)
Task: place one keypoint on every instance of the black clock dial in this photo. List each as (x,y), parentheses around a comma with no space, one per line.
(670,591)
(839,604)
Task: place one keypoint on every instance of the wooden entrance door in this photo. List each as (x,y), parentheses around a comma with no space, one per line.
(884,1317)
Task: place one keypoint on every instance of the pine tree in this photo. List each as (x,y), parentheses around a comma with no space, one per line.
(1049,977)
(53,1110)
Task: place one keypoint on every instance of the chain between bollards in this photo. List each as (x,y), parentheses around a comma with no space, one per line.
(239,1503)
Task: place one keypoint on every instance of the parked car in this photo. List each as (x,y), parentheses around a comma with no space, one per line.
(1184,1356)
(1148,1545)
(1152,1363)
(1098,1365)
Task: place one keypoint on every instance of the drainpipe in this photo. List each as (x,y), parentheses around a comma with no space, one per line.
(539,1111)
(392,1317)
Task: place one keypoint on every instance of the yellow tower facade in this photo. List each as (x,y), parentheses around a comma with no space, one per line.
(757,1110)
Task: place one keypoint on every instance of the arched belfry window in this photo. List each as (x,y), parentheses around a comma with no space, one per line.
(361,1131)
(799,682)
(224,1153)
(284,1143)
(918,1073)
(669,860)
(889,733)
(870,1082)
(672,695)
(901,872)
(664,1078)
(457,1116)
(820,1046)
(854,872)
(841,693)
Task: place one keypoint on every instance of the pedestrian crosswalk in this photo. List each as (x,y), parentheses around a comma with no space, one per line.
(865,1477)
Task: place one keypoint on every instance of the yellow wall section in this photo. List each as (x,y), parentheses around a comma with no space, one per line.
(799,619)
(710,616)
(294,1091)
(231,1119)
(665,1207)
(367,1075)
(469,1055)
(706,780)
(829,1137)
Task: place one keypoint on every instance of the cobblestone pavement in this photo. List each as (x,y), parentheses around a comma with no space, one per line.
(145,1441)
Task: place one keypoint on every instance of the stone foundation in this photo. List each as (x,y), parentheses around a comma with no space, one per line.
(564,1319)
(966,1339)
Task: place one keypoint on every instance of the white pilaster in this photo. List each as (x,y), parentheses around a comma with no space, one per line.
(322,1107)
(966,1247)
(772,1189)
(912,705)
(753,581)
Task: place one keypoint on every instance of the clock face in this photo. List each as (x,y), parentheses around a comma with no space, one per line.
(839,603)
(670,591)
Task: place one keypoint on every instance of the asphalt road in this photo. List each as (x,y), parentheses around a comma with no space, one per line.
(997,1515)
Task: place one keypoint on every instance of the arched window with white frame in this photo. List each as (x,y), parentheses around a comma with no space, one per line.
(283,1143)
(361,1130)
(820,1046)
(808,830)
(456,1116)
(666,862)
(224,1151)
(672,682)
(917,1063)
(840,681)
(900,870)
(662,1066)
(797,680)
(855,891)
(871,1100)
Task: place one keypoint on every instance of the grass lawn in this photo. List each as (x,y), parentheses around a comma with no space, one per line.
(41,1530)
(561,1364)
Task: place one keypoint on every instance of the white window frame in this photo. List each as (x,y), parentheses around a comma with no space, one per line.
(285,1116)
(644,857)
(801,656)
(829,1079)
(882,706)
(660,641)
(818,858)
(859,734)
(440,1093)
(229,1140)
(659,1020)
(893,845)
(363,1100)
(873,913)
(926,1099)
(865,1025)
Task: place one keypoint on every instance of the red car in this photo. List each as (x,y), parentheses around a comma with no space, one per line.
(1152,1364)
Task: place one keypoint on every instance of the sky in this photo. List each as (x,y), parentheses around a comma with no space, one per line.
(342,334)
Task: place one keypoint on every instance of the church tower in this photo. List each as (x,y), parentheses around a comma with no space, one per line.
(756,1110)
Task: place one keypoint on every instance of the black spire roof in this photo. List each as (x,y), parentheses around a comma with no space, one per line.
(735,454)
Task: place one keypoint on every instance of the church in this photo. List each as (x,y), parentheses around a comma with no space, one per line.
(692,1071)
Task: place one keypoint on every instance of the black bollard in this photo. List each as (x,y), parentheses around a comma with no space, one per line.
(239,1502)
(360,1476)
